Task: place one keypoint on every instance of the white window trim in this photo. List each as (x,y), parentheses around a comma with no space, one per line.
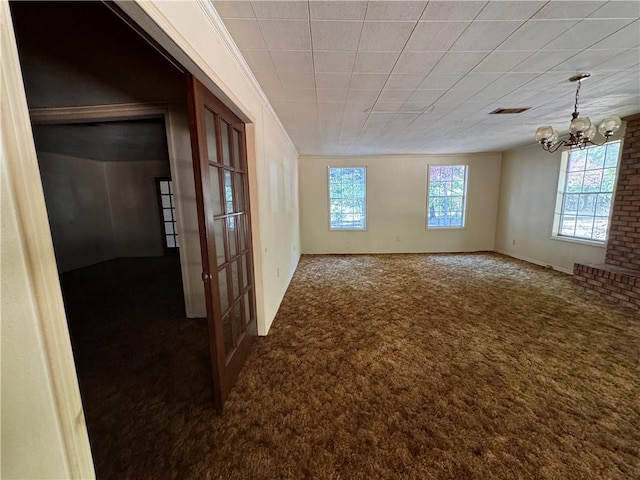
(557,213)
(366,200)
(464,203)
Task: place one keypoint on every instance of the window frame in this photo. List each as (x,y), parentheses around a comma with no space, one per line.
(167,249)
(560,196)
(366,200)
(464,198)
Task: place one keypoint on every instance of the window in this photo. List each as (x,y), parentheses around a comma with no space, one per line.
(347,198)
(168,213)
(447,194)
(585,192)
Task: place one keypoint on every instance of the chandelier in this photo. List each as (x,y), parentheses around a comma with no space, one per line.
(581,131)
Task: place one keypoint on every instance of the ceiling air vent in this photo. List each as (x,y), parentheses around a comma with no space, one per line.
(505,111)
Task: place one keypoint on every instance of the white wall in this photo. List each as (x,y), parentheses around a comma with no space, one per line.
(78,208)
(101,210)
(135,213)
(194,34)
(396,205)
(528,190)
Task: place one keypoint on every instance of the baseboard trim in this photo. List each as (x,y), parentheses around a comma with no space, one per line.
(535,262)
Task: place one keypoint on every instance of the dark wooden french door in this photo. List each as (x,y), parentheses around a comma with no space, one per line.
(222,195)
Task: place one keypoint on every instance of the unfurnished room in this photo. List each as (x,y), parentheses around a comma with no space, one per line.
(308,239)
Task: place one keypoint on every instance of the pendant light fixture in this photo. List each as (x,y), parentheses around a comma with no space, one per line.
(581,132)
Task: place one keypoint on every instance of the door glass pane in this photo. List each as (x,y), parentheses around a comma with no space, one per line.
(233,250)
(236,149)
(218,227)
(211,135)
(216,202)
(235,279)
(245,272)
(238,179)
(240,229)
(228,192)
(247,307)
(224,294)
(226,159)
(238,324)
(227,335)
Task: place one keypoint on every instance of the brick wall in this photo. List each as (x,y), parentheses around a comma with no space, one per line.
(618,279)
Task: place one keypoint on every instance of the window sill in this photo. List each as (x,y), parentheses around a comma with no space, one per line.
(431,229)
(590,243)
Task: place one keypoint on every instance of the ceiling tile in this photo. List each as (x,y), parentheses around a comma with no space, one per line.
(485,35)
(333,35)
(297,79)
(411,106)
(395,10)
(424,98)
(385,36)
(233,9)
(459,62)
(333,80)
(245,32)
(258,60)
(375,62)
(387,106)
(404,81)
(332,10)
(331,108)
(365,81)
(452,10)
(268,79)
(586,33)
(618,9)
(363,96)
(392,95)
(587,60)
(510,10)
(501,61)
(417,62)
(435,36)
(280,9)
(331,94)
(477,81)
(292,61)
(534,34)
(627,59)
(437,81)
(627,37)
(334,62)
(542,61)
(567,10)
(286,34)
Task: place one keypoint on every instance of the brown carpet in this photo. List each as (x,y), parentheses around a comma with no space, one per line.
(453,366)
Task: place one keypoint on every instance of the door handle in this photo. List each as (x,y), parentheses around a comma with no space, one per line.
(206,276)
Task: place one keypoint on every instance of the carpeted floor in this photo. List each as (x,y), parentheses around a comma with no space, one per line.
(460,366)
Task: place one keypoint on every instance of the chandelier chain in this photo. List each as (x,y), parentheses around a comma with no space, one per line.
(575,106)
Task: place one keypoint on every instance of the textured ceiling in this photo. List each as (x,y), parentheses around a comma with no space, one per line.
(389,77)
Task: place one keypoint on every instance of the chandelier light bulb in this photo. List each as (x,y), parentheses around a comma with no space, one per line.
(554,136)
(609,126)
(579,126)
(544,134)
(591,132)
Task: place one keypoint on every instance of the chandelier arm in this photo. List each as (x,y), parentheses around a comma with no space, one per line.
(553,148)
